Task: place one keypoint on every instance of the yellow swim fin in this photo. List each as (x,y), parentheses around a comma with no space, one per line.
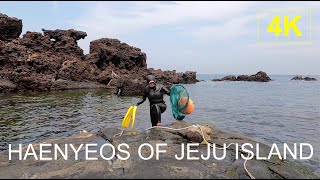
(127,117)
(134,111)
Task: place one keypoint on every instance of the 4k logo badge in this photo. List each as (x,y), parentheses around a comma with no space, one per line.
(284,27)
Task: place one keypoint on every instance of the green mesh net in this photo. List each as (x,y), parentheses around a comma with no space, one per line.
(179,98)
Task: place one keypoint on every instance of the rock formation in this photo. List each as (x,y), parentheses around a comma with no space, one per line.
(258,77)
(129,63)
(36,62)
(52,60)
(107,52)
(10,28)
(303,78)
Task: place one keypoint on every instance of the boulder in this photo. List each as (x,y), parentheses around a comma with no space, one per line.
(10,27)
(6,86)
(105,77)
(127,87)
(260,77)
(112,52)
(189,77)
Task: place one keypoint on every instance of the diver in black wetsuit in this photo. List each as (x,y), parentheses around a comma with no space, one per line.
(154,92)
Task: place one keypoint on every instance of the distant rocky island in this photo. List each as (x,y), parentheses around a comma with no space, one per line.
(258,77)
(300,78)
(52,60)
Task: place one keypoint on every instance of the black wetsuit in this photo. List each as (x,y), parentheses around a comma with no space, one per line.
(157,104)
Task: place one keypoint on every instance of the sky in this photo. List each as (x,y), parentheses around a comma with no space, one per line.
(207,37)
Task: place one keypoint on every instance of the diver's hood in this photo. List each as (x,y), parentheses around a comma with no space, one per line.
(150,78)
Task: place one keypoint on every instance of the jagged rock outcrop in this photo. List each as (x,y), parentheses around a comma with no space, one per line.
(107,52)
(258,77)
(53,60)
(34,62)
(10,27)
(129,63)
(66,41)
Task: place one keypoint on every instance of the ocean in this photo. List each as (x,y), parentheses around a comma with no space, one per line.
(279,111)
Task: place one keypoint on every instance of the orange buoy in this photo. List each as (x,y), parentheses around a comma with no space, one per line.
(190,108)
(182,102)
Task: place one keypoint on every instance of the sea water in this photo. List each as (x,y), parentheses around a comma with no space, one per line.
(279,111)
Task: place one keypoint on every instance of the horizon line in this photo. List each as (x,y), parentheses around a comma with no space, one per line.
(268,74)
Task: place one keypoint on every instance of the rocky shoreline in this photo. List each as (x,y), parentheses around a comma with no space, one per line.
(165,167)
(52,60)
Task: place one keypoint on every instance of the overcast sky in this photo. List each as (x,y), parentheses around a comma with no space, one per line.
(207,37)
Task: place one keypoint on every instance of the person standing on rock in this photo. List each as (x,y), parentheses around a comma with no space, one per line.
(154,92)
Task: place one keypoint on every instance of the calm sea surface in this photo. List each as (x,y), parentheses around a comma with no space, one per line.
(280,111)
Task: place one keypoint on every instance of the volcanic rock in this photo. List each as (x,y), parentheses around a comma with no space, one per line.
(189,77)
(259,77)
(112,52)
(34,61)
(229,78)
(6,86)
(52,60)
(129,63)
(10,27)
(66,41)
(303,78)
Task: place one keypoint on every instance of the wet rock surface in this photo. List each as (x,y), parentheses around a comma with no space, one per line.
(46,61)
(258,77)
(300,78)
(167,166)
